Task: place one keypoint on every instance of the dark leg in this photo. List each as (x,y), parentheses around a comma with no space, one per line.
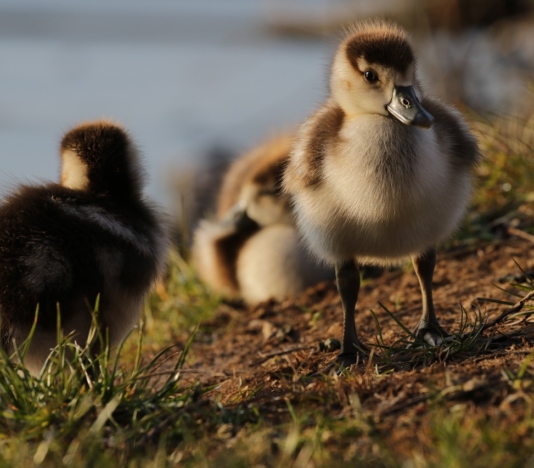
(428,329)
(348,285)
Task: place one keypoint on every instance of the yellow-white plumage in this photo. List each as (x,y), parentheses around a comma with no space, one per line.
(252,250)
(381,172)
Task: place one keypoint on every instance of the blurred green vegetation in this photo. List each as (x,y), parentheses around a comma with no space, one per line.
(504,192)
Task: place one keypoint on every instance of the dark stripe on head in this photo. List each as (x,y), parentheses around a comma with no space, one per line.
(384,47)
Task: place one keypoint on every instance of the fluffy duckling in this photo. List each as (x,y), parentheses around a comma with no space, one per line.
(62,245)
(381,172)
(252,250)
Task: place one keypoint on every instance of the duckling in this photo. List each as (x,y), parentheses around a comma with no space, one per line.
(62,245)
(381,172)
(252,250)
(273,264)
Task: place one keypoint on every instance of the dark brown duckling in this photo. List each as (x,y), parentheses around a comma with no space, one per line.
(62,245)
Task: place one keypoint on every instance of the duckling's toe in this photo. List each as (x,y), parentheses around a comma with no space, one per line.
(346,359)
(431,334)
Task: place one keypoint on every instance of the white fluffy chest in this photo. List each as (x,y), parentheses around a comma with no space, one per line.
(371,178)
(388,192)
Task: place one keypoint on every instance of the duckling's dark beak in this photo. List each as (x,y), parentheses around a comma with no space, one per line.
(237,216)
(406,108)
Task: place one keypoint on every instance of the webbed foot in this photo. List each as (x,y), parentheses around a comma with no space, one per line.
(431,334)
(355,355)
(345,360)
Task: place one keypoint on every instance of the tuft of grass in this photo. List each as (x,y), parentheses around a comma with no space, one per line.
(504,196)
(129,406)
(180,303)
(86,409)
(409,348)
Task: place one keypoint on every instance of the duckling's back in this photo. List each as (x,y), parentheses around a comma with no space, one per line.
(62,247)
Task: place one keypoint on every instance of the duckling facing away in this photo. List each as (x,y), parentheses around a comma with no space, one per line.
(252,250)
(61,245)
(380,172)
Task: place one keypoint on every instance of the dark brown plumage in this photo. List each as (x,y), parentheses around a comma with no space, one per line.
(464,148)
(387,47)
(329,122)
(61,247)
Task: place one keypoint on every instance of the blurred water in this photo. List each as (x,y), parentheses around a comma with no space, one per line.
(182,76)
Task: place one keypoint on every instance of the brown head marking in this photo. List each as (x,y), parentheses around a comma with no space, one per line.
(387,47)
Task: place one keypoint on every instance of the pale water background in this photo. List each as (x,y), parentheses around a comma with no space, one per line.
(184,76)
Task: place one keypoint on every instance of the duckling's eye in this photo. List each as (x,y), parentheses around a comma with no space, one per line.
(370,76)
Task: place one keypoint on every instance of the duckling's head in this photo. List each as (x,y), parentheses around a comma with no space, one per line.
(99,157)
(374,72)
(260,198)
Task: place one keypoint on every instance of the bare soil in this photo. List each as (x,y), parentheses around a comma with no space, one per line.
(269,355)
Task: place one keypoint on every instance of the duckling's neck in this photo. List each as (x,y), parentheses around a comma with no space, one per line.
(383,168)
(381,145)
(120,189)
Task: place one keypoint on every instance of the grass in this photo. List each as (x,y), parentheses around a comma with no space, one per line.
(84,410)
(505,185)
(136,406)
(127,409)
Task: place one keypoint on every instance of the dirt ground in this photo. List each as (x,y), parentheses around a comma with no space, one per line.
(270,354)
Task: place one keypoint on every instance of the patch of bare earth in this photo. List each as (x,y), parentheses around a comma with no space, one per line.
(268,355)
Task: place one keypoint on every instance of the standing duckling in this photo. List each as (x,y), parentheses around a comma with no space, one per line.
(62,245)
(380,172)
(252,250)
